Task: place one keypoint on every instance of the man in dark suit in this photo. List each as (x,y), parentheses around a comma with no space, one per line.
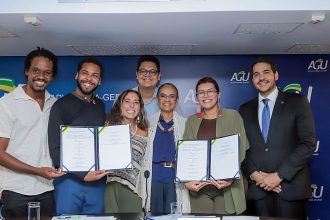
(281,134)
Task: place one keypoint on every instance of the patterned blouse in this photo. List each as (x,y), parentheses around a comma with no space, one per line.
(131,176)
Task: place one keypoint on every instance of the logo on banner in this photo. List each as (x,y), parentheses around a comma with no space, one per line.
(296,88)
(107,96)
(6,86)
(190,97)
(318,65)
(316,152)
(293,87)
(317,193)
(240,77)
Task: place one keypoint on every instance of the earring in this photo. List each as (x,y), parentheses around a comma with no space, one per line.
(198,111)
(138,119)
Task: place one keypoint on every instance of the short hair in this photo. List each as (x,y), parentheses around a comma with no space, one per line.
(90,60)
(207,79)
(41,52)
(115,116)
(264,60)
(148,58)
(170,85)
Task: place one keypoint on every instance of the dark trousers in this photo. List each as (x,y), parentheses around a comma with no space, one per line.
(15,205)
(274,206)
(162,194)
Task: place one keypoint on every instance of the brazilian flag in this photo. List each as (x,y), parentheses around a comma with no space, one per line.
(7,84)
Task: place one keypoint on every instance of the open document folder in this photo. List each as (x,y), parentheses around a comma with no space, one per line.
(95,148)
(204,159)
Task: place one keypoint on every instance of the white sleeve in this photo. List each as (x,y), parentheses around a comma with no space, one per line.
(6,121)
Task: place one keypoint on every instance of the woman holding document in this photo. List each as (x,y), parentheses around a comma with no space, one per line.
(166,128)
(215,196)
(121,193)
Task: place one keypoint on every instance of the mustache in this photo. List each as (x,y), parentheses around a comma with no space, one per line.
(264,80)
(40,80)
(87,81)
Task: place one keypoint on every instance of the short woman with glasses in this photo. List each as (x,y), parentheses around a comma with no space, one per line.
(121,192)
(215,196)
(166,127)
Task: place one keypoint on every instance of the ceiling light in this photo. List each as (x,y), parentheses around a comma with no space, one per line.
(309,49)
(317,18)
(4,33)
(266,28)
(133,49)
(33,20)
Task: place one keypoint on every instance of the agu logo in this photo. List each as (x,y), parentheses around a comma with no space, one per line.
(294,87)
(240,77)
(6,85)
(317,193)
(318,65)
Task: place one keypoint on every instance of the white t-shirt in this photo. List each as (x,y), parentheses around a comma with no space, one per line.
(23,122)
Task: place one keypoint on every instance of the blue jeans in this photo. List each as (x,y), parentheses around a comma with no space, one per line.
(74,197)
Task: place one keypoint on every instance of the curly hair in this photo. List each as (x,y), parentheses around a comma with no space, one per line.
(115,116)
(41,52)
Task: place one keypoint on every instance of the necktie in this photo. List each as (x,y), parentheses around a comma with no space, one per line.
(265,119)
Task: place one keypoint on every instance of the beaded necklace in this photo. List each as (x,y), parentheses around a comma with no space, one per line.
(165,129)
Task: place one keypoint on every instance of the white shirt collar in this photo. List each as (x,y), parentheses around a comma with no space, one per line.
(19,93)
(272,96)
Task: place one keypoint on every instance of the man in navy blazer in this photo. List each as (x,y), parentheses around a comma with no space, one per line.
(277,165)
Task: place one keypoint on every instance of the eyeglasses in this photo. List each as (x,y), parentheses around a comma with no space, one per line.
(145,72)
(165,97)
(209,92)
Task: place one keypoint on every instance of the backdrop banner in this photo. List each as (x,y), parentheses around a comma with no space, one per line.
(305,74)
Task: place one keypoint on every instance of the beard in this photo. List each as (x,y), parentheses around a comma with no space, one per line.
(83,90)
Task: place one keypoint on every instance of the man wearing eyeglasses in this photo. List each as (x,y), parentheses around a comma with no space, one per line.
(148,76)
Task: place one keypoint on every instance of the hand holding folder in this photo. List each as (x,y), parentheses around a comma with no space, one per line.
(95,148)
(201,160)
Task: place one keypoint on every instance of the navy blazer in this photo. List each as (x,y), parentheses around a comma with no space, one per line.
(290,142)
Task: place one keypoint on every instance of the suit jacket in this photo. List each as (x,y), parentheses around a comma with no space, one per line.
(229,123)
(290,142)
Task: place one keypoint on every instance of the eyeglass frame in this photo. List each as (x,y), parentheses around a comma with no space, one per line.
(202,93)
(144,72)
(171,97)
